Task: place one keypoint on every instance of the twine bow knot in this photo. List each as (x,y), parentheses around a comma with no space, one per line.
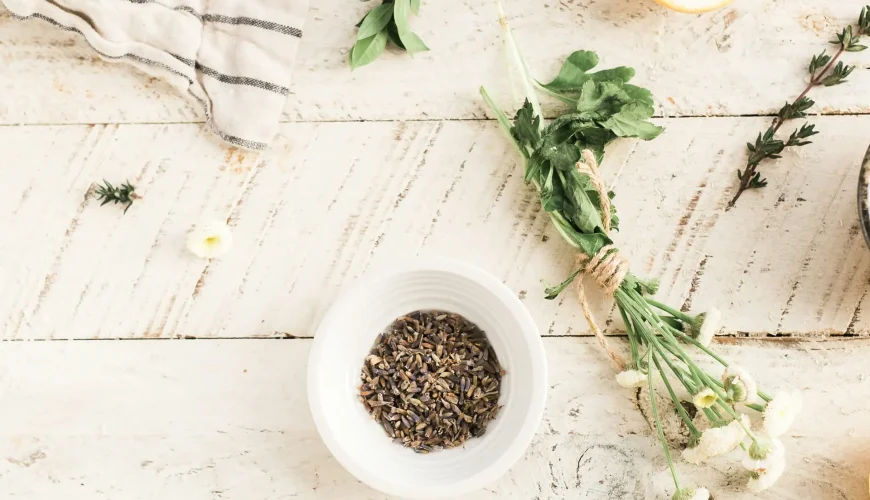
(607,267)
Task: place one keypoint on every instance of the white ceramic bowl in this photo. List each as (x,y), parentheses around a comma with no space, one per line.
(345,337)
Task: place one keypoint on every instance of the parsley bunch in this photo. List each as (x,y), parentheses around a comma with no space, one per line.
(604,107)
(388,21)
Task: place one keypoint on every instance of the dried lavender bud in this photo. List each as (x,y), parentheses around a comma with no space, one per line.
(432,380)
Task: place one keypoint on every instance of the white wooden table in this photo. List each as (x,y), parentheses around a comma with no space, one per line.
(132,370)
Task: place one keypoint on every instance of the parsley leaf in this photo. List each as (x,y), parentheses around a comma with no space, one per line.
(573,74)
(631,121)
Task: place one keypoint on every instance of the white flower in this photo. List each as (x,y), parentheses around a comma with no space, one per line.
(695,455)
(211,239)
(781,412)
(631,378)
(740,384)
(700,494)
(762,479)
(711,323)
(705,398)
(763,453)
(717,441)
(691,494)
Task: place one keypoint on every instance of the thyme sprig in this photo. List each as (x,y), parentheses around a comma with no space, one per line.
(825,71)
(124,194)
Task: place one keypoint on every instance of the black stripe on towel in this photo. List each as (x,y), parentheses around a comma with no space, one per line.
(237,20)
(242,80)
(249,21)
(234,80)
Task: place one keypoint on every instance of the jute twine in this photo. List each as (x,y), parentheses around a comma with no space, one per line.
(608,267)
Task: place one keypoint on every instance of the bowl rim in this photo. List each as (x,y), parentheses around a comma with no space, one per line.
(864,197)
(529,330)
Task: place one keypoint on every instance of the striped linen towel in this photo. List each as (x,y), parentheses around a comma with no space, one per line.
(234,57)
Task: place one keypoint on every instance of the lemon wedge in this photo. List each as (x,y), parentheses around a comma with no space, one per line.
(694,6)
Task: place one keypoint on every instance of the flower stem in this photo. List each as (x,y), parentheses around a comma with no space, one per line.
(632,335)
(730,411)
(652,400)
(670,310)
(519,62)
(677,404)
(756,407)
(689,340)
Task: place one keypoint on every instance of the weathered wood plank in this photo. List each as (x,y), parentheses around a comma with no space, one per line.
(338,199)
(745,59)
(228,419)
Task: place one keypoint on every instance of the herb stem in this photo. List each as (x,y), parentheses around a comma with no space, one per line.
(816,79)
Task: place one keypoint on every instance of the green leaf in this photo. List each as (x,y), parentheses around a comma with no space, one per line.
(563,156)
(552,194)
(534,167)
(593,242)
(412,42)
(584,198)
(621,73)
(600,101)
(415,6)
(856,48)
(393,34)
(375,21)
(366,51)
(831,80)
(639,94)
(631,121)
(554,291)
(595,139)
(402,11)
(572,76)
(527,128)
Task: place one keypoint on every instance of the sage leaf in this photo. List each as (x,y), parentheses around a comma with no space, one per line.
(366,51)
(393,34)
(402,11)
(412,42)
(375,21)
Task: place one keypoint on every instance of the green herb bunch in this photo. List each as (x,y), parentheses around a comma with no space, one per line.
(388,21)
(123,194)
(559,161)
(825,71)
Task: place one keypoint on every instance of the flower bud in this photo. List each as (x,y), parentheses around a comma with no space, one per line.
(691,494)
(735,389)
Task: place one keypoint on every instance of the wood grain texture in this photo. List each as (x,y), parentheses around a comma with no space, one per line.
(228,419)
(336,200)
(745,59)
